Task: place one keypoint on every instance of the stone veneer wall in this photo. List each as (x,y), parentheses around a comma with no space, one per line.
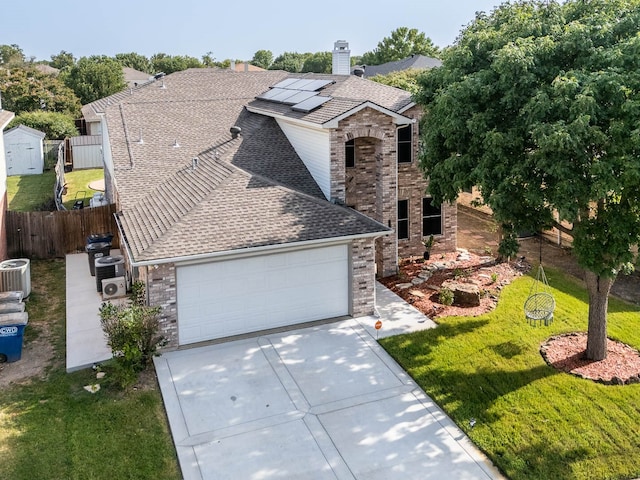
(161,292)
(363,277)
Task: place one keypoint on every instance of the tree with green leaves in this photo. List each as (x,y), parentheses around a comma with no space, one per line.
(25,89)
(95,77)
(55,125)
(11,55)
(402,43)
(538,104)
(135,61)
(161,62)
(262,59)
(289,62)
(404,79)
(62,60)
(320,62)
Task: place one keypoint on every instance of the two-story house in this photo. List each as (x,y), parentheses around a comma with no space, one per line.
(254,200)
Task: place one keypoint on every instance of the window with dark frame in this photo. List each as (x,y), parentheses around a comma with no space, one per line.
(404,146)
(431,217)
(350,154)
(403,219)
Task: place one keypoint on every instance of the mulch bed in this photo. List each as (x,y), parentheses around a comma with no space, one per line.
(567,353)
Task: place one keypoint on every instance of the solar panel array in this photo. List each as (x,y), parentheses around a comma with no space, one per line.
(302,94)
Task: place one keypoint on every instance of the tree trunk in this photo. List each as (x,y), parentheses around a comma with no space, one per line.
(598,288)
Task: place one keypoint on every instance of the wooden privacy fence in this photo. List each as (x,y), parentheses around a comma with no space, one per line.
(54,234)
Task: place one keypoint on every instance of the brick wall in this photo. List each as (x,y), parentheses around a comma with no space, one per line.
(376,183)
(363,277)
(161,291)
(370,186)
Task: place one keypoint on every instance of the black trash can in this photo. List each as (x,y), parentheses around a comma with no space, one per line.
(11,333)
(99,238)
(97,250)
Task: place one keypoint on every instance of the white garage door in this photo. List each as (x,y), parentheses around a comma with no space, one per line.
(231,297)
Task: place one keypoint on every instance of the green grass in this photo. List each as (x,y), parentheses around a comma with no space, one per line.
(52,428)
(78,186)
(532,421)
(26,193)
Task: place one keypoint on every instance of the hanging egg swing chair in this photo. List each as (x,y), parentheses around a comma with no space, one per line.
(540,304)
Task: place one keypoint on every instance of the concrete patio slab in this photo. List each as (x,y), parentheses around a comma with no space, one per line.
(320,402)
(86,343)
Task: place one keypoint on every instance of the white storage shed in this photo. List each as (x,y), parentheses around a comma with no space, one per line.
(24,150)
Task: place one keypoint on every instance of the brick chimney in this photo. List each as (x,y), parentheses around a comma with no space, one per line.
(341,58)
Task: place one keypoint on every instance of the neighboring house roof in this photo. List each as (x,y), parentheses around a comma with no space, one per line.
(27,130)
(135,77)
(47,69)
(249,191)
(5,117)
(418,62)
(247,67)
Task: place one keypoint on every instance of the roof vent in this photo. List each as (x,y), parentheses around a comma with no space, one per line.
(359,71)
(140,140)
(175,144)
(194,163)
(159,75)
(235,131)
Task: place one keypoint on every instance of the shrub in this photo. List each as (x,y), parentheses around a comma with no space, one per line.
(132,335)
(55,125)
(446,296)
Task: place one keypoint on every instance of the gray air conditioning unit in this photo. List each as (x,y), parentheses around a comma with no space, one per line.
(114,288)
(108,267)
(15,275)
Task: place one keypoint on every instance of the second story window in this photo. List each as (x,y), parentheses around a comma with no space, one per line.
(350,154)
(405,144)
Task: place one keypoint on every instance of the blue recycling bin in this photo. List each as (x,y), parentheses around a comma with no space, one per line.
(11,333)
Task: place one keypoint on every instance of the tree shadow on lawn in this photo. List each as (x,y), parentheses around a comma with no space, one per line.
(406,347)
(541,460)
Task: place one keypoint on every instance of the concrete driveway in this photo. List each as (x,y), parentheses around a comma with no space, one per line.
(325,402)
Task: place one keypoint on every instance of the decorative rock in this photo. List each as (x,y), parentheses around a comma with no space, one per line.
(417,281)
(464,294)
(439,266)
(92,388)
(417,293)
(425,275)
(404,286)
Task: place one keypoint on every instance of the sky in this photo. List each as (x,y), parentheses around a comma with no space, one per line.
(232,29)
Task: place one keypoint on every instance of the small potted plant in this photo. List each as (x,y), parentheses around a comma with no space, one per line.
(428,243)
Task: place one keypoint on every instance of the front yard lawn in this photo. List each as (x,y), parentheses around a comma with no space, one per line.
(51,428)
(532,421)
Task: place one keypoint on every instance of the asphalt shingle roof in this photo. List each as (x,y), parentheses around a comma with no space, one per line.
(248,191)
(347,92)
